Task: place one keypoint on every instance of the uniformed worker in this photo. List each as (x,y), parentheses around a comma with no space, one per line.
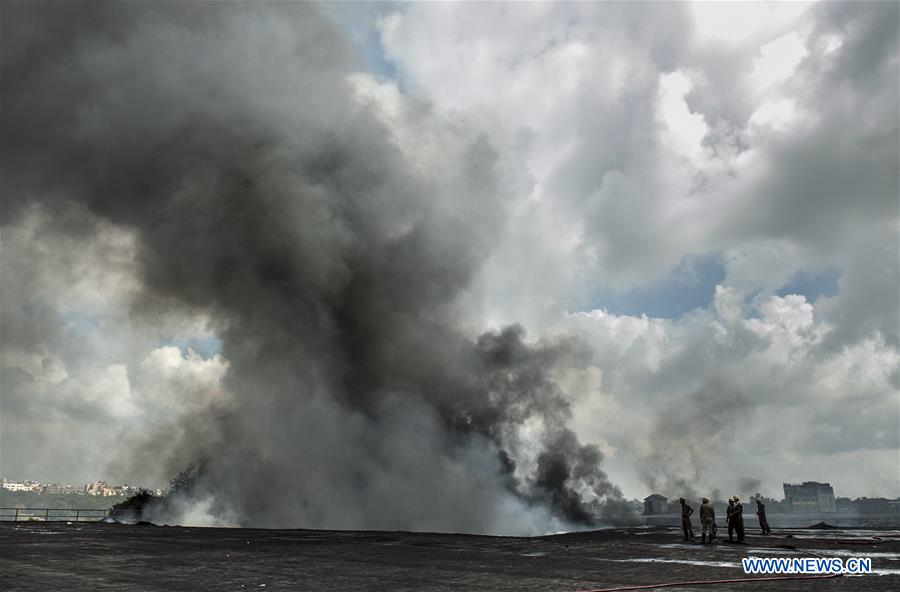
(729,519)
(707,521)
(737,515)
(686,512)
(761,514)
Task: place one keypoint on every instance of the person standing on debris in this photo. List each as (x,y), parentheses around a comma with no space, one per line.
(761,514)
(737,515)
(686,512)
(729,519)
(707,521)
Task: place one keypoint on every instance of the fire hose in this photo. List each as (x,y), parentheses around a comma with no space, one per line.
(711,582)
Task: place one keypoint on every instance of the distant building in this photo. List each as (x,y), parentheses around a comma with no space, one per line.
(656,504)
(809,496)
(106,490)
(844,504)
(875,505)
(21,485)
(98,488)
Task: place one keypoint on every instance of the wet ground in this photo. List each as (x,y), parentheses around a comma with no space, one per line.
(93,556)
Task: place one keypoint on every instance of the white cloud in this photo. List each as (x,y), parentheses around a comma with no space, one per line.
(83,372)
(735,22)
(772,116)
(686,398)
(170,382)
(682,131)
(778,60)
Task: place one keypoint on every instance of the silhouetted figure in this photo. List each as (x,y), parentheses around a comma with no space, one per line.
(707,521)
(761,514)
(737,516)
(686,512)
(729,520)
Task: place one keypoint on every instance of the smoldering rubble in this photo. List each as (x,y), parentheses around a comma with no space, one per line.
(333,244)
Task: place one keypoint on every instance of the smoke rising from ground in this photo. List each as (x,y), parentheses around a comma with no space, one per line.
(689,434)
(330,234)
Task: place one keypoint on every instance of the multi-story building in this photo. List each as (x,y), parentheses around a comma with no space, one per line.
(53,488)
(21,485)
(106,490)
(809,496)
(96,488)
(56,488)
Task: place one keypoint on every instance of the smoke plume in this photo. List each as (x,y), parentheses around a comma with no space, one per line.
(331,232)
(689,435)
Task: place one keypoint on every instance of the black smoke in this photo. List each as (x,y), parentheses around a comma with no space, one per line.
(333,246)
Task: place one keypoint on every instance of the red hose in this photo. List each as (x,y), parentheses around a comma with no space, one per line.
(731,581)
(708,582)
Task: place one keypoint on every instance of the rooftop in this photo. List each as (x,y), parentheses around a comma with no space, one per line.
(93,556)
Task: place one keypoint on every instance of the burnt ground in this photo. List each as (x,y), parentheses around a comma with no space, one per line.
(94,556)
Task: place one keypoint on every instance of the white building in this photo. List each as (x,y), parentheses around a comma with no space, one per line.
(21,485)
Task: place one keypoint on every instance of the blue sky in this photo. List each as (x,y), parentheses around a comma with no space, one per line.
(359,21)
(692,284)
